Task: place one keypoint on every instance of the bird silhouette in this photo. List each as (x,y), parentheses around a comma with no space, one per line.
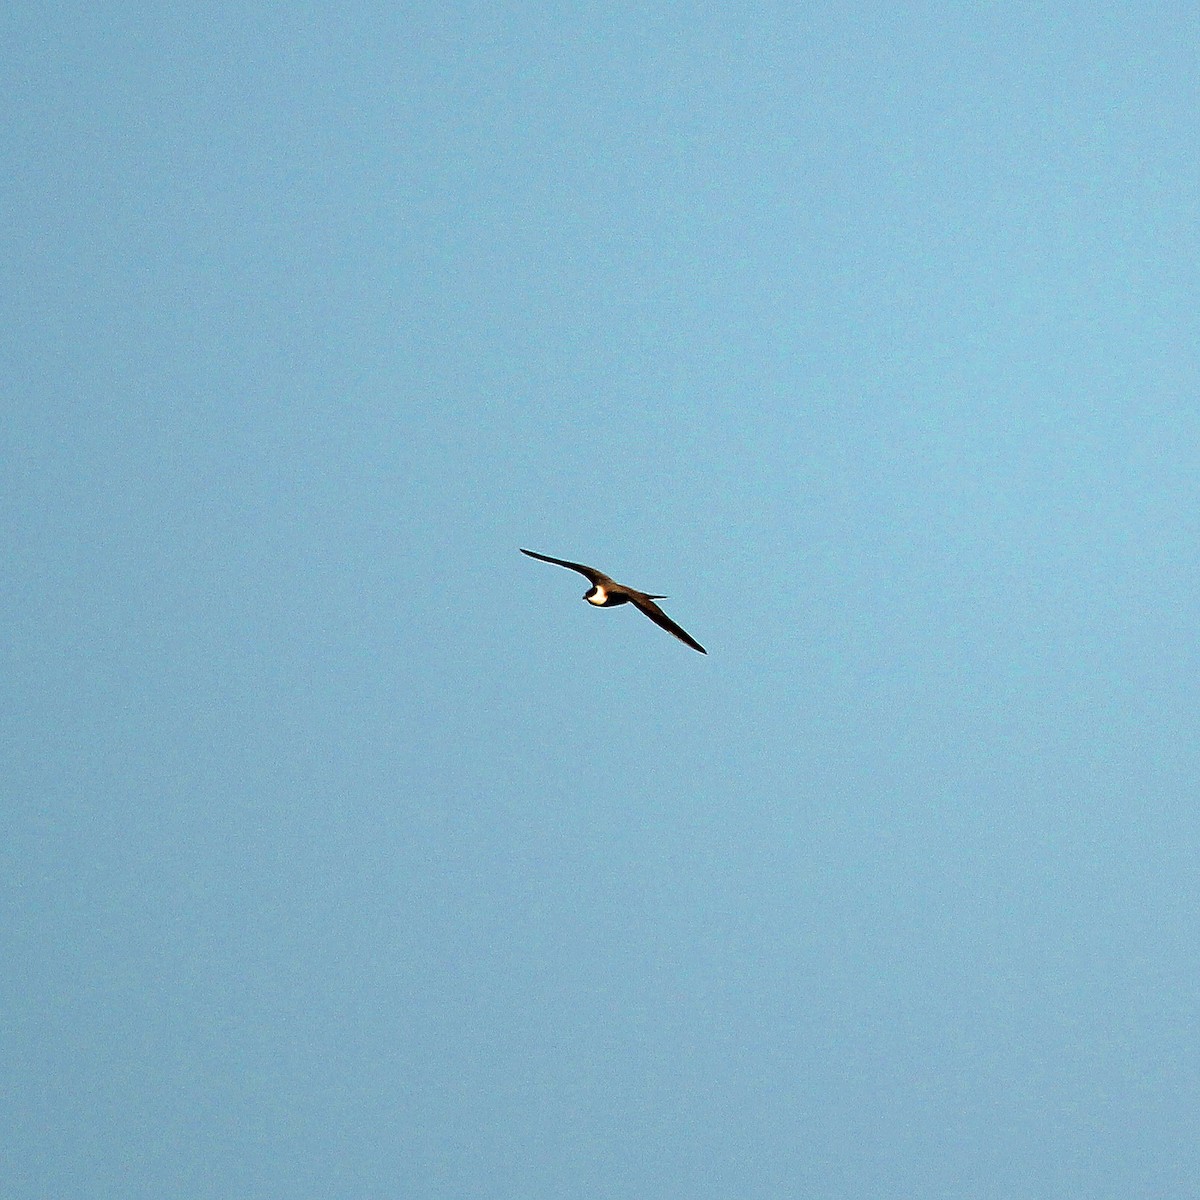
(606,592)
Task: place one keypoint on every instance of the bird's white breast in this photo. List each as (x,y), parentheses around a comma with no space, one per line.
(599,597)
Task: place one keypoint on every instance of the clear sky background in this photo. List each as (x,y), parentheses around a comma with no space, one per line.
(344,852)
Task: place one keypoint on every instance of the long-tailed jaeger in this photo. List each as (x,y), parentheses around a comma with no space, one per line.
(606,593)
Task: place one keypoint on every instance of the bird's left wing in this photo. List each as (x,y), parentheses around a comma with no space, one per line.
(589,573)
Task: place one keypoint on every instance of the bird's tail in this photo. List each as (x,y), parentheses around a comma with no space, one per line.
(651,596)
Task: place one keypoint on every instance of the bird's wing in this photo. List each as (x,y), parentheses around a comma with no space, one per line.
(590,573)
(659,617)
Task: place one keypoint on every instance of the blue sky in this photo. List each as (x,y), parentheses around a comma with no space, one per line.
(345,852)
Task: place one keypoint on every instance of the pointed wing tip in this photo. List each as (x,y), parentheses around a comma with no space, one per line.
(648,608)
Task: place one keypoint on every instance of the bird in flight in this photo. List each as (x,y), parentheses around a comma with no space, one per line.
(606,592)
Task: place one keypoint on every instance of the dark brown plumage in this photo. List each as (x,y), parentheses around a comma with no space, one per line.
(606,592)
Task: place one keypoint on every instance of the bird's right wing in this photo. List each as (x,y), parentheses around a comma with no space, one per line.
(656,614)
